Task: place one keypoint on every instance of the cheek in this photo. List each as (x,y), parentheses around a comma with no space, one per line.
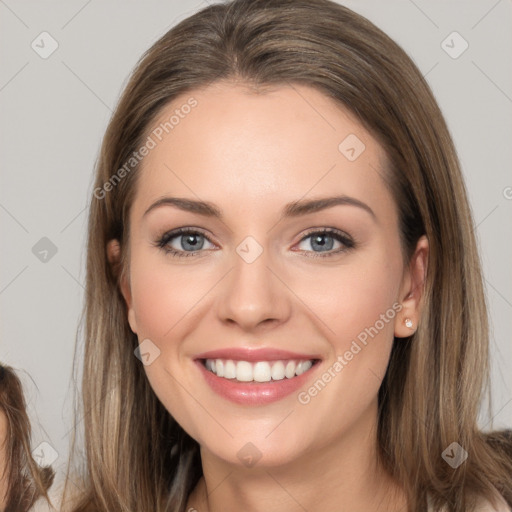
(156,301)
(163,295)
(165,305)
(366,302)
(351,299)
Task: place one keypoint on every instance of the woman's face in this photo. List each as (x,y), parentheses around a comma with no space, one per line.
(260,277)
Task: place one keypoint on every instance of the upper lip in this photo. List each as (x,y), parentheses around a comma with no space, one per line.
(255,354)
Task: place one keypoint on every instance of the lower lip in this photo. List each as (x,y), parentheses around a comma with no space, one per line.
(255,393)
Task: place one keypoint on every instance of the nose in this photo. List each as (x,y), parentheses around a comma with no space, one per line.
(254,294)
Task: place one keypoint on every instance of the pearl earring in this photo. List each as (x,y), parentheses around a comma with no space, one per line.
(408,323)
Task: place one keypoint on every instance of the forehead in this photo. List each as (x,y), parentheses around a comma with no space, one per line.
(227,141)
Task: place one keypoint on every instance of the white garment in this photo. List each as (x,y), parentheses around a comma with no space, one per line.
(484,505)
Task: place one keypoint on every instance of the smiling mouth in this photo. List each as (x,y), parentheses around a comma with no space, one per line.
(258,371)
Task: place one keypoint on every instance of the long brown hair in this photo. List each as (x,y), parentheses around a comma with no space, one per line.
(432,391)
(26,481)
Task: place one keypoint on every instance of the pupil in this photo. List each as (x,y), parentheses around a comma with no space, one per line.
(319,240)
(191,241)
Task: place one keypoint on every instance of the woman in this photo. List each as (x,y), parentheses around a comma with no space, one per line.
(284,305)
(22,481)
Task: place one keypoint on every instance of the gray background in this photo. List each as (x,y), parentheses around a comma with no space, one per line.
(54,112)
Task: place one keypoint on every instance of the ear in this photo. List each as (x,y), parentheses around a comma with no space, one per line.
(411,291)
(114,258)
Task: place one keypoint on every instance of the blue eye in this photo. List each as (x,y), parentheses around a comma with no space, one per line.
(189,239)
(194,240)
(323,240)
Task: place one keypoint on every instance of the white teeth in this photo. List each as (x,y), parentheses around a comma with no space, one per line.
(278,371)
(243,371)
(302,367)
(290,369)
(219,367)
(261,371)
(230,370)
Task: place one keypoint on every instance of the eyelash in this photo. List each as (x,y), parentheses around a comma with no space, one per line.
(163,241)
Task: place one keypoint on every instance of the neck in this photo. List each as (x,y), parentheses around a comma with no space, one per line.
(345,475)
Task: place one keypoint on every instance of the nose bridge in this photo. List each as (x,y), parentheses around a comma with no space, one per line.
(252,293)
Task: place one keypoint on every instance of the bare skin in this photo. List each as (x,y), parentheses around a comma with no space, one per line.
(251,154)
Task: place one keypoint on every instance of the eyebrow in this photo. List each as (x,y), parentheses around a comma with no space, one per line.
(293,209)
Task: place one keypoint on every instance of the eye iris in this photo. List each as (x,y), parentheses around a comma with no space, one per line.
(189,239)
(322,245)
